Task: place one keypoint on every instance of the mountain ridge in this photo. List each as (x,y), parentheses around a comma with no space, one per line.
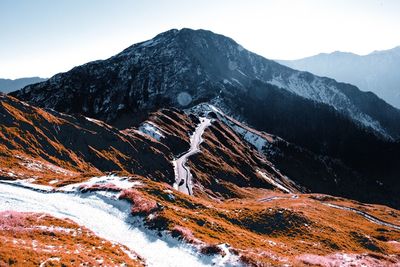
(183,68)
(376,72)
(9,85)
(206,62)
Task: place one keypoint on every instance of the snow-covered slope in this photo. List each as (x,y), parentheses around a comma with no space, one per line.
(109,218)
(317,88)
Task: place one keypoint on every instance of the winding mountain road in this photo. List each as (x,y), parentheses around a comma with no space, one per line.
(183,177)
(367,216)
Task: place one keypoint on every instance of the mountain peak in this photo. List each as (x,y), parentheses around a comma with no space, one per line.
(198,64)
(171,32)
(395,50)
(187,35)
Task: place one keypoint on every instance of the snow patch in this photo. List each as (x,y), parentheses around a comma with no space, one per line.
(341,259)
(229,259)
(108,181)
(273,182)
(93,120)
(28,183)
(119,182)
(225,81)
(232,65)
(150,129)
(236,81)
(241,72)
(39,166)
(252,138)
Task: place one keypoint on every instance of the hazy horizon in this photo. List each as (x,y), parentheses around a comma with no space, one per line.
(43,37)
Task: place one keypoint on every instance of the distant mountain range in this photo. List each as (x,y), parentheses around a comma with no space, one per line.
(378,72)
(8,85)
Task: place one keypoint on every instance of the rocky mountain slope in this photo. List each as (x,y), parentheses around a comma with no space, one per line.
(184,67)
(50,145)
(198,152)
(56,149)
(247,208)
(377,72)
(8,85)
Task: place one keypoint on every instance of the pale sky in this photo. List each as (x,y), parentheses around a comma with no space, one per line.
(44,37)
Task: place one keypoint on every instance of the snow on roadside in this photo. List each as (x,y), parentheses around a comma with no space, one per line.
(252,138)
(259,142)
